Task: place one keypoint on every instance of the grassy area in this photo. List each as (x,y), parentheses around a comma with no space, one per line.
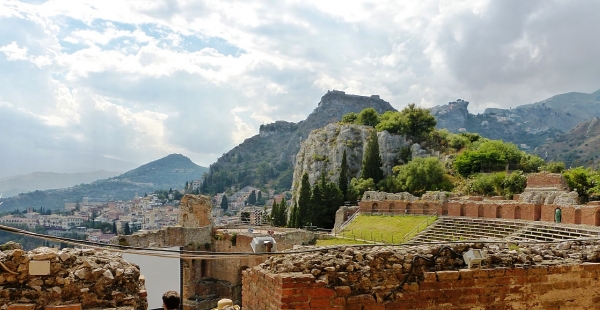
(382,228)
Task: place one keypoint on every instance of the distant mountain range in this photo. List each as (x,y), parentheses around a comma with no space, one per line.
(528,126)
(12,186)
(171,171)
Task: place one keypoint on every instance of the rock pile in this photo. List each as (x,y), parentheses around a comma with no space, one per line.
(381,268)
(96,279)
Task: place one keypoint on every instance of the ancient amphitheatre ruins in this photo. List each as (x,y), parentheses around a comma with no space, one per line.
(529,260)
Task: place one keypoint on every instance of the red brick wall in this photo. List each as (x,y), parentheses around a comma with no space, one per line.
(546,180)
(539,287)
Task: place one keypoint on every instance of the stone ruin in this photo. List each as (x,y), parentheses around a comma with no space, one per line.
(539,276)
(86,277)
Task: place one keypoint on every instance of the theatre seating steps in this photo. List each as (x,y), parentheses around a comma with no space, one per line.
(448,228)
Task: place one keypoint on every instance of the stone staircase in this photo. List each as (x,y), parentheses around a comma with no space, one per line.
(448,228)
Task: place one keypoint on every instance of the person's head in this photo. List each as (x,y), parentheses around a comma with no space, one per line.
(171,300)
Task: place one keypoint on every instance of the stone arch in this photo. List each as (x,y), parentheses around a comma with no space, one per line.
(426,209)
(577,216)
(517,213)
(392,208)
(463,210)
(498,212)
(374,207)
(444,209)
(409,208)
(557,215)
(597,221)
(480,211)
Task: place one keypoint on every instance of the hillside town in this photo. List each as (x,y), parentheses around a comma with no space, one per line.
(149,212)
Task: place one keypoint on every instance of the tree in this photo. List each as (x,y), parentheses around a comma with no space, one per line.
(368,117)
(282,212)
(487,156)
(252,198)
(580,179)
(371,165)
(359,186)
(224,203)
(245,217)
(418,122)
(127,230)
(304,200)
(343,179)
(421,175)
(293,220)
(114,228)
(392,122)
(274,212)
(349,118)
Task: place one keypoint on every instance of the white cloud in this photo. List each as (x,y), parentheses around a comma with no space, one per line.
(136,80)
(14,52)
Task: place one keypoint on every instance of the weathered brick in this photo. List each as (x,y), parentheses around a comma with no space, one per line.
(343,290)
(447,275)
(318,292)
(21,307)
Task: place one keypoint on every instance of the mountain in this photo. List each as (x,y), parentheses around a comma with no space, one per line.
(578,147)
(172,171)
(268,158)
(528,126)
(12,186)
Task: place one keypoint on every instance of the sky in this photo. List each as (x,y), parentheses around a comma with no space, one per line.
(88,85)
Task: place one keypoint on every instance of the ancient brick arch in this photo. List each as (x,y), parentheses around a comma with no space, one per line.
(480,211)
(374,207)
(517,213)
(577,216)
(463,210)
(597,221)
(409,208)
(425,208)
(498,212)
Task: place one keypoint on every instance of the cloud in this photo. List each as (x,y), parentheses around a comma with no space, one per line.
(135,81)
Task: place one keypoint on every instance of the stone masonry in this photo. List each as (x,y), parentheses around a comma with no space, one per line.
(542,276)
(75,279)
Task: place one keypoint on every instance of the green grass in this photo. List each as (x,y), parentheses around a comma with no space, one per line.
(382,228)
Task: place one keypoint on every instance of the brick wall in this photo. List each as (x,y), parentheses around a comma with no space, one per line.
(538,287)
(545,180)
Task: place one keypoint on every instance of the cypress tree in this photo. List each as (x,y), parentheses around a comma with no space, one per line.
(343,179)
(282,212)
(127,230)
(114,228)
(252,198)
(224,203)
(293,217)
(303,202)
(371,165)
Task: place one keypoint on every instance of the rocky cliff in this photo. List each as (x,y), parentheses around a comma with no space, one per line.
(277,144)
(323,150)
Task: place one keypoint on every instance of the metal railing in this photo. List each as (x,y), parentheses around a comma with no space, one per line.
(417,228)
(350,219)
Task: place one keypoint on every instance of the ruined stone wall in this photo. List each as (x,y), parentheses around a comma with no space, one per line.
(195,211)
(82,278)
(167,237)
(549,276)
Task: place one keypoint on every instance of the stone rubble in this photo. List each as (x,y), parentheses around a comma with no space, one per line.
(96,279)
(384,267)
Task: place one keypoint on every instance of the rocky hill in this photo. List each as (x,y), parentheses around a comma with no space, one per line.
(171,171)
(268,158)
(578,147)
(12,186)
(528,126)
(323,150)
